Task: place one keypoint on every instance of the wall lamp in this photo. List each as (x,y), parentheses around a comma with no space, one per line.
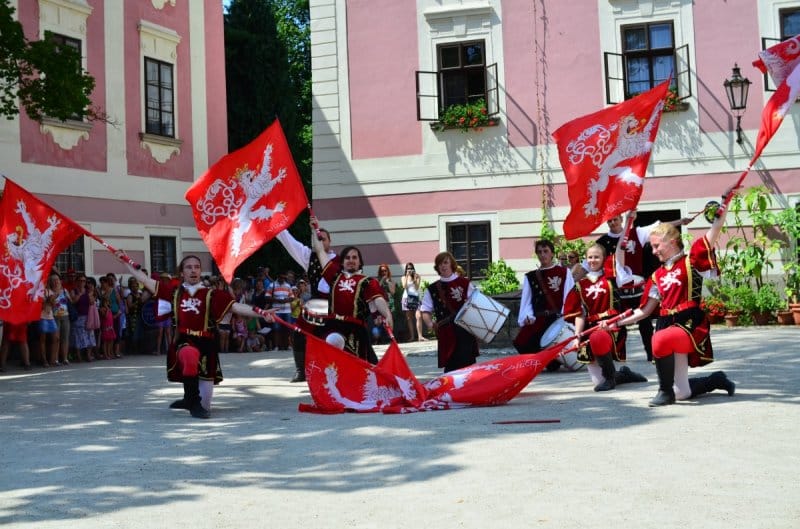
(737,88)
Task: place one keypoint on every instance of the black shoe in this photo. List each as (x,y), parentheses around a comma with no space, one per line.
(553,366)
(299,376)
(606,385)
(200,412)
(720,381)
(662,398)
(179,404)
(626,376)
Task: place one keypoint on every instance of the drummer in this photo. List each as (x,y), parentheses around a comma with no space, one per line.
(543,293)
(595,298)
(635,259)
(457,348)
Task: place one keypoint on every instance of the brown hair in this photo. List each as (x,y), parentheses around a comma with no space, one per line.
(384,266)
(439,259)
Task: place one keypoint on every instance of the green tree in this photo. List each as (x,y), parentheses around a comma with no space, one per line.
(268,75)
(42,77)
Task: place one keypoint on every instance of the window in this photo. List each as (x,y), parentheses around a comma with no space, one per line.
(648,58)
(159,97)
(790,26)
(62,41)
(470,244)
(162,254)
(462,77)
(72,257)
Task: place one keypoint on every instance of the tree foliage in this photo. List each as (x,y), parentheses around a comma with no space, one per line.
(268,72)
(43,77)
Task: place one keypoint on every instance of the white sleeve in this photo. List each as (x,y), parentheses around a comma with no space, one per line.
(569,286)
(525,305)
(426,305)
(298,251)
(643,232)
(624,273)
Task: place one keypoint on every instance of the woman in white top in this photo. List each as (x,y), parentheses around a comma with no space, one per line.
(410,303)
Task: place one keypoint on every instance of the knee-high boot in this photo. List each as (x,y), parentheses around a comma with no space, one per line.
(299,352)
(191,393)
(606,363)
(716,380)
(665,367)
(625,376)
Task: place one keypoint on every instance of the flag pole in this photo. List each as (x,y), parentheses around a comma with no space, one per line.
(122,255)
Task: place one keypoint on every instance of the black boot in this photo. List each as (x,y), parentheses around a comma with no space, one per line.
(716,380)
(190,387)
(606,363)
(196,407)
(665,367)
(299,351)
(626,376)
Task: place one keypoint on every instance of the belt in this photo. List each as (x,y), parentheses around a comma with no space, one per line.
(199,334)
(603,315)
(683,306)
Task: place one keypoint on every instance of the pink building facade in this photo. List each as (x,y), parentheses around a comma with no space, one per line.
(385,180)
(159,67)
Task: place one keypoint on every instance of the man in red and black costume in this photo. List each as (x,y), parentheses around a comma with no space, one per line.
(307,258)
(457,348)
(543,293)
(353,297)
(193,358)
(636,259)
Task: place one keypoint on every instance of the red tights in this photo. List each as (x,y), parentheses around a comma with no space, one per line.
(671,340)
(601,343)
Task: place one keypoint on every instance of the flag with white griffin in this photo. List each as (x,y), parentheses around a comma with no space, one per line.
(604,156)
(246,198)
(782,62)
(32,234)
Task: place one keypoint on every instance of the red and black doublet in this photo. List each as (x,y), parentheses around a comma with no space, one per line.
(596,298)
(457,348)
(349,308)
(196,317)
(679,284)
(547,296)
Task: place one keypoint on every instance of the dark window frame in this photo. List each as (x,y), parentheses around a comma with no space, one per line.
(161,246)
(767,42)
(618,62)
(73,256)
(430,105)
(65,40)
(468,262)
(156,106)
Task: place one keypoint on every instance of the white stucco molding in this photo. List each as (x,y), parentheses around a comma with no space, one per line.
(158,42)
(458,10)
(65,17)
(66,134)
(161,148)
(159,4)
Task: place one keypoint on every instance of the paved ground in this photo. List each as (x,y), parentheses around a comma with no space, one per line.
(94,446)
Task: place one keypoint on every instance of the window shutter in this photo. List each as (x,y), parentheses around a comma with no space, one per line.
(614,67)
(492,104)
(427,96)
(766,42)
(682,77)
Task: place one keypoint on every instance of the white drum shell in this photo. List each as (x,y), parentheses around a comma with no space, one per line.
(482,316)
(557,332)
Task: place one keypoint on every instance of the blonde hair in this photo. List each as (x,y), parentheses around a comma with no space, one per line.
(668,232)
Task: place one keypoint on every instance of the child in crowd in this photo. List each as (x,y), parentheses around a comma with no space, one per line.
(107,334)
(254,342)
(239,327)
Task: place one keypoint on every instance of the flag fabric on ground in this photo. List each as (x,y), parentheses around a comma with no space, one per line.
(782,62)
(247,198)
(32,234)
(604,156)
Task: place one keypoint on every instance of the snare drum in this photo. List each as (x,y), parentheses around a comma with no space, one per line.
(558,332)
(481,316)
(315,311)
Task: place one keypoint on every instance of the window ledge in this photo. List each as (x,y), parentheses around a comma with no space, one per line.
(683,106)
(161,148)
(437,126)
(66,134)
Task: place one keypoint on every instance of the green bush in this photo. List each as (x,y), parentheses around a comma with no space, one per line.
(500,278)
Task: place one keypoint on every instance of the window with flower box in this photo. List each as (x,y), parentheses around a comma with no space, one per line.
(463,85)
(647,58)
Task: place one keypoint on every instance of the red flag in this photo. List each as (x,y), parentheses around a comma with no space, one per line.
(247,198)
(395,363)
(775,110)
(339,381)
(779,60)
(33,235)
(604,157)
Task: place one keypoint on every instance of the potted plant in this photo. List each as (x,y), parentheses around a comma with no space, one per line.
(714,308)
(766,302)
(466,117)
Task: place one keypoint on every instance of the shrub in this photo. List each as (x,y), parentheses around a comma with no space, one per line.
(500,278)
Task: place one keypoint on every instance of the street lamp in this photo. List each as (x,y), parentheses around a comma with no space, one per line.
(736,89)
